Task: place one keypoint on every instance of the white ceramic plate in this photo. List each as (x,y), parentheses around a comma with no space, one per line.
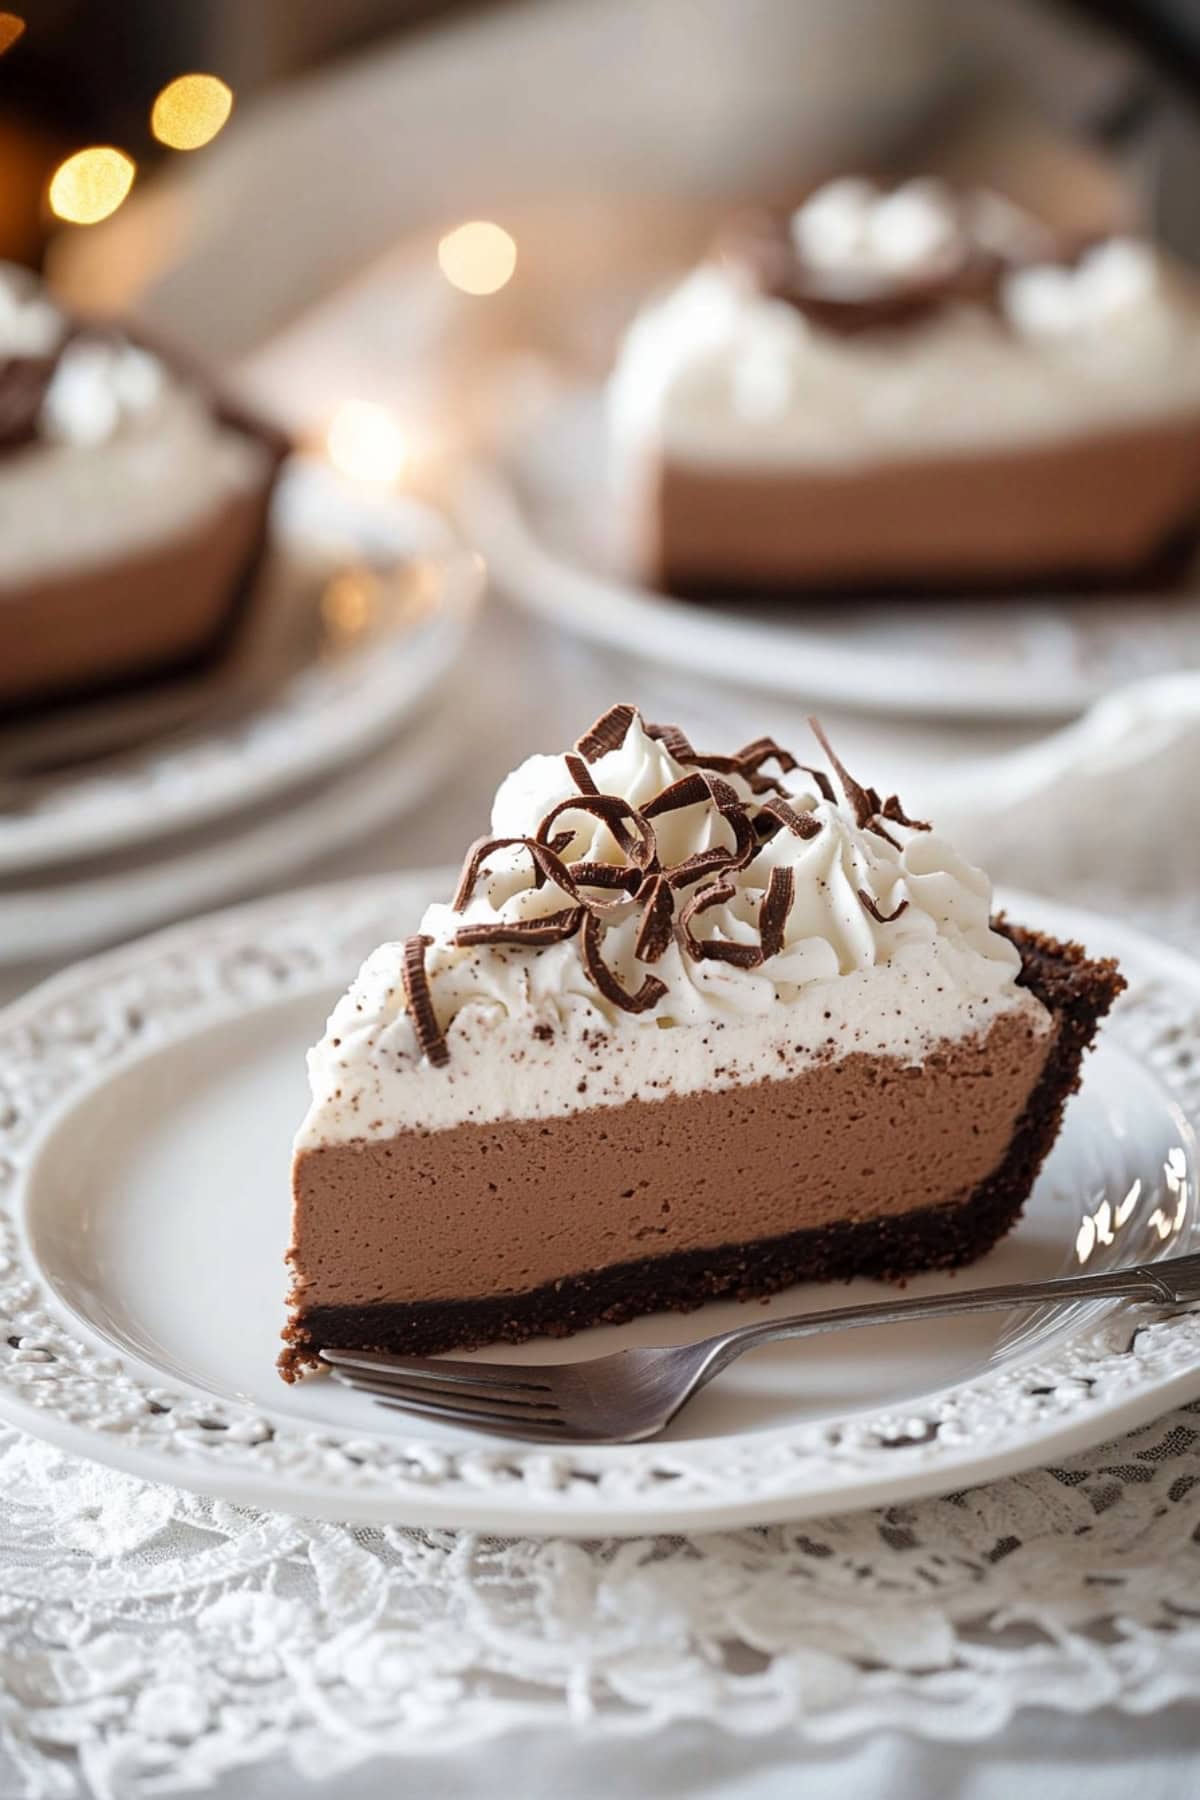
(147,1107)
(327,674)
(72,915)
(542,514)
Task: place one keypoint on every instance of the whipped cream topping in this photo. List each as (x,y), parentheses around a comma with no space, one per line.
(127,451)
(717,372)
(886,947)
(853,233)
(30,323)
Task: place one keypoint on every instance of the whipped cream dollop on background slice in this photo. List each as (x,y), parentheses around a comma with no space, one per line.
(887,948)
(715,371)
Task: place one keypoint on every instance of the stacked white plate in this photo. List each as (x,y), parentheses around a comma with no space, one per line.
(331,720)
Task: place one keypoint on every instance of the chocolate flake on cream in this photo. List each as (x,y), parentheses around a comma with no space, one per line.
(420,1002)
(598,971)
(776,905)
(871,905)
(608,733)
(743,956)
(642,881)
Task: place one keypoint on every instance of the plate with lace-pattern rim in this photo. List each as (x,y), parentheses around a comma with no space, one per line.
(81,1366)
(339,704)
(542,512)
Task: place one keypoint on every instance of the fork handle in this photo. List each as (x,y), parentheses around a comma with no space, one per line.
(1174,1281)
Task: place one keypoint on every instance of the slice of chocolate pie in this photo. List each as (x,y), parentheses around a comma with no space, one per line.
(911,391)
(690,1026)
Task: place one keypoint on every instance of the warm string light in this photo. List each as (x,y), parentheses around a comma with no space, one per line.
(11,28)
(91,184)
(478,257)
(190,111)
(365,442)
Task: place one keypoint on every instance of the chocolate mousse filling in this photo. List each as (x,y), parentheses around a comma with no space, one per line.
(862,1165)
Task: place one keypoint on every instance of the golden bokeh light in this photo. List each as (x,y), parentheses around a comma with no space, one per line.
(478,257)
(190,111)
(90,185)
(11,28)
(366,443)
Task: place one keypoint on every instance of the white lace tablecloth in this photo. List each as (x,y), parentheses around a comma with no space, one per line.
(153,1642)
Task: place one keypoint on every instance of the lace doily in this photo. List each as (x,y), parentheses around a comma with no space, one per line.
(163,1638)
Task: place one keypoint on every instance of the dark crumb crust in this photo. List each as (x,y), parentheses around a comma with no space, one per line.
(1169,565)
(1077,990)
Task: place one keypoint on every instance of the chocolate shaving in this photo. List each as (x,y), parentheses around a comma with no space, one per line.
(622,883)
(800,824)
(892,809)
(774,910)
(696,866)
(863,800)
(872,906)
(743,956)
(547,864)
(656,929)
(598,972)
(639,845)
(24,381)
(689,790)
(553,928)
(676,742)
(751,757)
(580,774)
(419,1001)
(824,785)
(608,733)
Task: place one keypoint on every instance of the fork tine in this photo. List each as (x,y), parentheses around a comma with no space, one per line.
(552,1433)
(504,1424)
(387,1385)
(439,1369)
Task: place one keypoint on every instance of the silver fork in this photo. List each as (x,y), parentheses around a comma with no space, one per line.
(633,1394)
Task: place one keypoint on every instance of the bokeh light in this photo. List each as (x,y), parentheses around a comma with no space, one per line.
(11,28)
(366,443)
(478,257)
(90,185)
(190,111)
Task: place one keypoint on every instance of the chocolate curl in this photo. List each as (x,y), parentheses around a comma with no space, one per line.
(580,774)
(872,906)
(734,812)
(824,785)
(420,1003)
(696,866)
(639,845)
(547,864)
(608,733)
(553,928)
(622,883)
(598,972)
(24,381)
(676,743)
(657,926)
(864,801)
(689,790)
(892,809)
(800,824)
(774,910)
(743,956)
(751,757)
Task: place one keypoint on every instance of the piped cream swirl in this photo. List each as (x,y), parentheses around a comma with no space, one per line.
(887,948)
